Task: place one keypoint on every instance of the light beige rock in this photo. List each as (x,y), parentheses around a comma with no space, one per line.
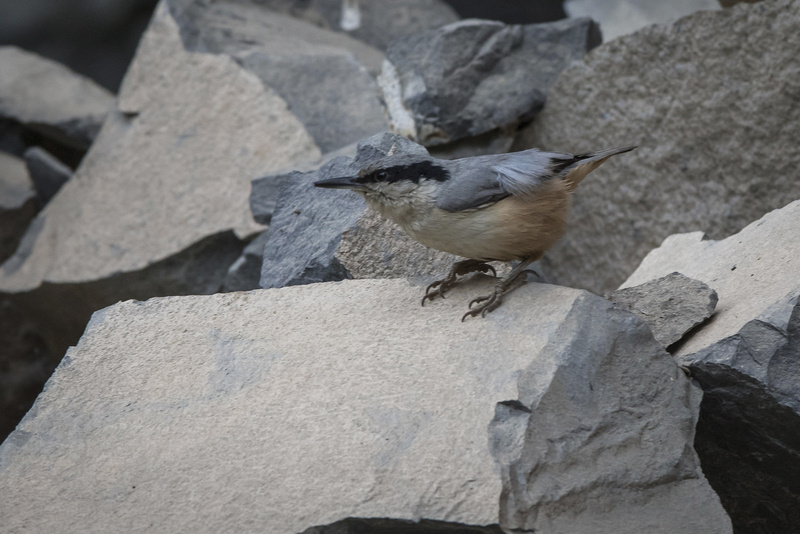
(284,409)
(750,271)
(48,97)
(711,100)
(171,167)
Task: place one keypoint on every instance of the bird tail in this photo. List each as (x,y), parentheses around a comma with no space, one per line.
(576,169)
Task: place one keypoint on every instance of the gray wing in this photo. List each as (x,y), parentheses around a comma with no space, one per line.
(484,180)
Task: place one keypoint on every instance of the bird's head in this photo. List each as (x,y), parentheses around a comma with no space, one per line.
(394,181)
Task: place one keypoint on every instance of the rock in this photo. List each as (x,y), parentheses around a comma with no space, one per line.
(265,190)
(671,305)
(159,204)
(750,271)
(747,359)
(523,420)
(716,151)
(319,235)
(465,79)
(338,103)
(245,273)
(50,99)
(376,22)
(621,17)
(47,173)
(18,205)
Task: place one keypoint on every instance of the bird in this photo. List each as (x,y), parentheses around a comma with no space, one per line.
(500,207)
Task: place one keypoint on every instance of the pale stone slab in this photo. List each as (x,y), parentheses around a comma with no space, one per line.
(172,166)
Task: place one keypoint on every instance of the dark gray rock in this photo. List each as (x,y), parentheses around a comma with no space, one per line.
(717,135)
(18,203)
(473,76)
(245,273)
(307,225)
(748,434)
(376,22)
(47,173)
(747,359)
(671,306)
(323,76)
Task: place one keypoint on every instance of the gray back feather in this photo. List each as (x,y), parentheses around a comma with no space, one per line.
(486,179)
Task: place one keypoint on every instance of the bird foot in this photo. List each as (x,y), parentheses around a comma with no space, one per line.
(460,268)
(492,302)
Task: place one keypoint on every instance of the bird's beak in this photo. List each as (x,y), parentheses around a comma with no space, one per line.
(345,182)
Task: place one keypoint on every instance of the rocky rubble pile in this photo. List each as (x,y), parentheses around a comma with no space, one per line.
(241,351)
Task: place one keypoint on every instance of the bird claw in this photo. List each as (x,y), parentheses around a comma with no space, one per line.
(461,268)
(490,302)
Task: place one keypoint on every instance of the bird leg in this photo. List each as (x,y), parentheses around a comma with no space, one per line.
(460,268)
(506,285)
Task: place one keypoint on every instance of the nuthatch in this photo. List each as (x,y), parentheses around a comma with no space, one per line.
(487,208)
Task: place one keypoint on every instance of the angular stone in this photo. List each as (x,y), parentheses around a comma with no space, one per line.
(18,203)
(671,306)
(466,78)
(245,273)
(621,17)
(747,359)
(47,173)
(166,181)
(376,22)
(717,135)
(523,420)
(750,271)
(323,76)
(319,235)
(50,99)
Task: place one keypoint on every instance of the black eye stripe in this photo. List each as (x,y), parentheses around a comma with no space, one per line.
(412,173)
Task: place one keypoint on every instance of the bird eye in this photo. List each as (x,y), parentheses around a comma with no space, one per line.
(381,176)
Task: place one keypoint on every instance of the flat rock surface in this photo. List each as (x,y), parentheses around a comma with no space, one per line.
(50,98)
(303,406)
(717,132)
